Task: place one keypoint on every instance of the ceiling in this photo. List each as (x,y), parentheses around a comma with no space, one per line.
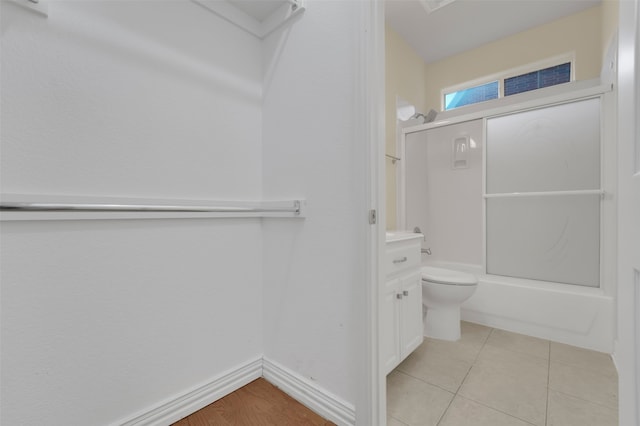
(466,24)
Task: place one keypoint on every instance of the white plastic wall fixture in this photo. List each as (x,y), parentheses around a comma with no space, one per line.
(460,152)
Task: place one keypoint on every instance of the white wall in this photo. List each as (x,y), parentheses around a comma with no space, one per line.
(104,319)
(312,268)
(115,98)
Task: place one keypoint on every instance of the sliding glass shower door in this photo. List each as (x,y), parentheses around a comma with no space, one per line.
(543,194)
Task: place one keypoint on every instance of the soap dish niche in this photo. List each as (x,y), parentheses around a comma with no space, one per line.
(460,152)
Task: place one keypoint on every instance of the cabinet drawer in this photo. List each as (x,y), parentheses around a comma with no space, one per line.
(400,258)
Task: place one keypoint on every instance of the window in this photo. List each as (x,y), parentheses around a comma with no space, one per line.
(556,70)
(538,79)
(472,95)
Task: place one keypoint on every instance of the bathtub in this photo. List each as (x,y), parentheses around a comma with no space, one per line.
(575,315)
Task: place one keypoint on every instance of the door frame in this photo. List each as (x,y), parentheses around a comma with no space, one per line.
(370,133)
(627,349)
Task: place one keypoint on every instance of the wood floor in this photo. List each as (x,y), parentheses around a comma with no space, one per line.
(257,404)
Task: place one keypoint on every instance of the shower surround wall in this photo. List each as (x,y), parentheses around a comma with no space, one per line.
(104,320)
(446,203)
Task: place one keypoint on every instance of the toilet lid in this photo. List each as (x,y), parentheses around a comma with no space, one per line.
(447,276)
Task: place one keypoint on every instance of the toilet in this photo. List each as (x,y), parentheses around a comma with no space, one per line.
(443,291)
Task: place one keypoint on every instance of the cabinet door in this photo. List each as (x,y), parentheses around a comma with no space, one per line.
(411,329)
(389,326)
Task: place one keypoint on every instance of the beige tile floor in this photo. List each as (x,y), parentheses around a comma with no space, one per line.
(496,378)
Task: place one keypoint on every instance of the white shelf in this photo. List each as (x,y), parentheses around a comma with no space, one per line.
(258,17)
(38,6)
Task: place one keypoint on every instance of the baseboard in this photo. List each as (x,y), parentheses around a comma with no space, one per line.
(304,391)
(309,394)
(191,401)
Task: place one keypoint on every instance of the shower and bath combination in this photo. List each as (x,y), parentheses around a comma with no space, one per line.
(535,232)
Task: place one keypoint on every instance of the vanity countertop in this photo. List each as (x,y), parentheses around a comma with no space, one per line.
(393,236)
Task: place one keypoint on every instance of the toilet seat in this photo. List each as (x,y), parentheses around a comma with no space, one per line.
(447,276)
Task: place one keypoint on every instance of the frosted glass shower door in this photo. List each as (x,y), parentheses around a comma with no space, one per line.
(543,194)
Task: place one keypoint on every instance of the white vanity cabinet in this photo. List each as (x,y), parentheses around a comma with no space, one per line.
(400,300)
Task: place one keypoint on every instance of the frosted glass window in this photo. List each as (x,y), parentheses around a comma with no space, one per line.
(549,149)
(549,238)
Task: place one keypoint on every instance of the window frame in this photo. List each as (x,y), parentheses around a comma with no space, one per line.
(444,97)
(512,72)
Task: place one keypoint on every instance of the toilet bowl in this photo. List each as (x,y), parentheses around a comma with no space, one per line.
(443,291)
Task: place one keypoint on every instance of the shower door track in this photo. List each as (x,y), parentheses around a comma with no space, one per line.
(544,194)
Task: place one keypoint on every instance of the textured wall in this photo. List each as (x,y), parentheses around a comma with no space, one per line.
(123,99)
(102,320)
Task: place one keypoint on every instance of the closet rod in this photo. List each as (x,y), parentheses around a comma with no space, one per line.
(95,207)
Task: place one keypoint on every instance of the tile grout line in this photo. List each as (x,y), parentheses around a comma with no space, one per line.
(465,377)
(584,369)
(480,403)
(498,410)
(427,382)
(483,345)
(585,400)
(580,367)
(521,353)
(485,405)
(446,409)
(399,421)
(430,384)
(546,408)
(475,359)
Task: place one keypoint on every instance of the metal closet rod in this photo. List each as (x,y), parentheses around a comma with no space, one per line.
(96,207)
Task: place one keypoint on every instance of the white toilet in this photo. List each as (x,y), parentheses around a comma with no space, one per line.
(443,291)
